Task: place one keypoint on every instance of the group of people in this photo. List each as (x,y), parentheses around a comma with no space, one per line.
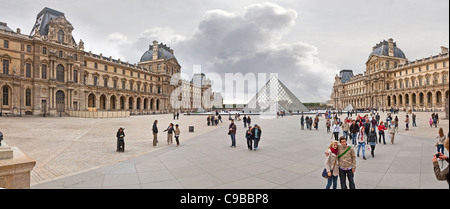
(213,120)
(171,130)
(341,160)
(252,135)
(310,122)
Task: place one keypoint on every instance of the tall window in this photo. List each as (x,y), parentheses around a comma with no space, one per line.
(5,91)
(115,83)
(5,66)
(6,44)
(95,80)
(123,84)
(44,50)
(75,76)
(60,73)
(28,97)
(105,82)
(28,70)
(444,78)
(61,36)
(44,72)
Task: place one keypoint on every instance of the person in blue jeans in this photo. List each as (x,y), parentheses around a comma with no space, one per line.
(256,132)
(232,132)
(331,165)
(362,138)
(354,129)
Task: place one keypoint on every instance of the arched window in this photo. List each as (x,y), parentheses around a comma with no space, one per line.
(28,97)
(60,73)
(61,36)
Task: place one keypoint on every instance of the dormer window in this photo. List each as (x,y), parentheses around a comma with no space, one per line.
(61,36)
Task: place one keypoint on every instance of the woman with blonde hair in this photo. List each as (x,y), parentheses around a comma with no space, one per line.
(440,141)
(331,167)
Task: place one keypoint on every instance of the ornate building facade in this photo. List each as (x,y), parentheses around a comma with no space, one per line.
(391,80)
(48,72)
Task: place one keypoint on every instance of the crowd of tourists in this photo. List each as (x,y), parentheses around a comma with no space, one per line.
(361,134)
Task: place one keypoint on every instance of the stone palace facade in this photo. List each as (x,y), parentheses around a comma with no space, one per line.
(391,80)
(49,72)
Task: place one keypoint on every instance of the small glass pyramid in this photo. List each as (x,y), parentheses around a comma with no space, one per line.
(275,97)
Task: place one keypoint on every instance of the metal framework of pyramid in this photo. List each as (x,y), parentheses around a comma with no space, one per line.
(275,97)
(348,108)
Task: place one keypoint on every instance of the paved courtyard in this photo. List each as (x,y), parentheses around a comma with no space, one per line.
(81,154)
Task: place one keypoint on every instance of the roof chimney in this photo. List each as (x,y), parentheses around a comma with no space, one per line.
(155,50)
(444,49)
(391,47)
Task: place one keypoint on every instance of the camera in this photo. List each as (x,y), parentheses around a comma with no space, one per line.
(437,155)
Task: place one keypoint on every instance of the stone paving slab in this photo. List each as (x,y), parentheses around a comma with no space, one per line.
(288,158)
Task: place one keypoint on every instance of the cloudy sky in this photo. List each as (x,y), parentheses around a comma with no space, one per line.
(307,42)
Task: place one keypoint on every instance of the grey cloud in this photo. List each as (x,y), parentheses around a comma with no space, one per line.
(250,41)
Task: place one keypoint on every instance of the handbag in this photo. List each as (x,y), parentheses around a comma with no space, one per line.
(325,173)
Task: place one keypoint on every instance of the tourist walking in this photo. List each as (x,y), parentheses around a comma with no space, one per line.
(249,120)
(354,129)
(316,122)
(407,122)
(414,120)
(372,140)
(249,137)
(441,175)
(336,130)
(381,129)
(232,132)
(328,124)
(330,165)
(256,132)
(120,140)
(155,133)
(177,134)
(302,122)
(440,141)
(170,131)
(345,128)
(244,119)
(392,131)
(362,138)
(396,123)
(347,164)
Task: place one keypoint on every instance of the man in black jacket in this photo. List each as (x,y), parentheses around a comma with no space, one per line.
(354,129)
(155,133)
(256,132)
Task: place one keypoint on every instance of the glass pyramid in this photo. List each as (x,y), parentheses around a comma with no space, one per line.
(275,97)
